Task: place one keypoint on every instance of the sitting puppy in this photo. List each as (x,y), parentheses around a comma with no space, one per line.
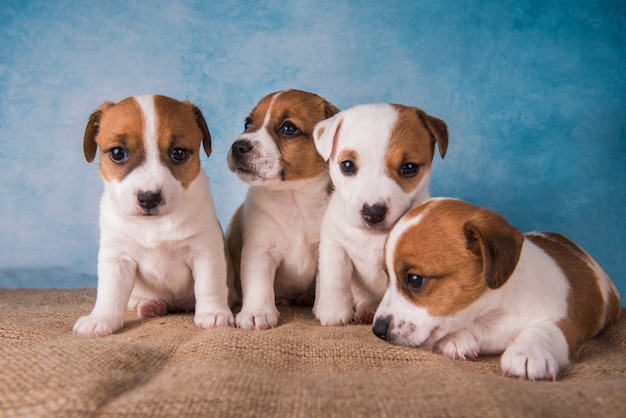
(380,157)
(161,246)
(461,279)
(273,237)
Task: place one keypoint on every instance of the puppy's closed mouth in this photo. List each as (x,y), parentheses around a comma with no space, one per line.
(246,174)
(382,228)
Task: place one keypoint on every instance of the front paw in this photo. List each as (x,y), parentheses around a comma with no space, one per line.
(459,346)
(333,315)
(97,326)
(208,320)
(532,362)
(260,319)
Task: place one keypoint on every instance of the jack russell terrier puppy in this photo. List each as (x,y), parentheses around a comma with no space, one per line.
(273,238)
(161,246)
(464,281)
(380,157)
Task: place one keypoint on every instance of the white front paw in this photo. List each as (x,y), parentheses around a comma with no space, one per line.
(208,320)
(459,346)
(264,318)
(532,362)
(97,326)
(333,314)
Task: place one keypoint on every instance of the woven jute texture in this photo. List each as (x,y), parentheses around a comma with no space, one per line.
(165,367)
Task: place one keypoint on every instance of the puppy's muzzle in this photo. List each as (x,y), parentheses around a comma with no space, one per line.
(240,149)
(149,200)
(375,214)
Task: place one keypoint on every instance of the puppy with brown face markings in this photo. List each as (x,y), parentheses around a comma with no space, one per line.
(273,237)
(464,281)
(380,158)
(161,246)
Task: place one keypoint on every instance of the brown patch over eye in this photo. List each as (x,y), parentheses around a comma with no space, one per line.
(121,128)
(294,115)
(254,121)
(435,249)
(410,151)
(179,138)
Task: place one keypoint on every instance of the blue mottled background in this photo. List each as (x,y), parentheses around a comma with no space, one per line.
(534,94)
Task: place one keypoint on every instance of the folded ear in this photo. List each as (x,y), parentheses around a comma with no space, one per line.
(329,109)
(325,135)
(206,136)
(491,238)
(91,131)
(437,129)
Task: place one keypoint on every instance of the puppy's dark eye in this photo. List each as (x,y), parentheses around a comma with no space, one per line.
(247,124)
(347,167)
(118,155)
(288,129)
(415,282)
(409,169)
(179,155)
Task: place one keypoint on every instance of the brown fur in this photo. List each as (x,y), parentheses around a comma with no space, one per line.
(299,157)
(586,314)
(413,140)
(179,124)
(348,154)
(234,244)
(114,125)
(438,249)
(463,250)
(304,110)
(491,238)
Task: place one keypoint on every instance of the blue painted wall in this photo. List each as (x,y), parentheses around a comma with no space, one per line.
(534,94)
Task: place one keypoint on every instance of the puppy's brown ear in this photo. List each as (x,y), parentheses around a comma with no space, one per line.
(206,136)
(491,238)
(326,134)
(437,129)
(329,109)
(91,131)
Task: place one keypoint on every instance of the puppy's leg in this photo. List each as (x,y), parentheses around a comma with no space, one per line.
(258,269)
(538,352)
(333,296)
(460,345)
(364,312)
(211,290)
(116,277)
(149,308)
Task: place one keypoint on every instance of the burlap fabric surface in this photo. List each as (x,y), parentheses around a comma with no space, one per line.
(165,367)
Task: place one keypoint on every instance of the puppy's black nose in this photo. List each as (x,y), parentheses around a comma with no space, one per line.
(149,200)
(380,327)
(240,148)
(374,214)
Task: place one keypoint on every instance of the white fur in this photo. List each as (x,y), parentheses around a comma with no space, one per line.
(519,318)
(351,276)
(266,165)
(281,228)
(274,259)
(177,257)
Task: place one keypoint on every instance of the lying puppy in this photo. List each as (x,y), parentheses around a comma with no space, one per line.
(273,237)
(161,246)
(380,157)
(463,280)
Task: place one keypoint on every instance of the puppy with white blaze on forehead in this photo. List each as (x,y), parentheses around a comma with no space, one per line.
(464,281)
(161,246)
(274,235)
(380,157)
